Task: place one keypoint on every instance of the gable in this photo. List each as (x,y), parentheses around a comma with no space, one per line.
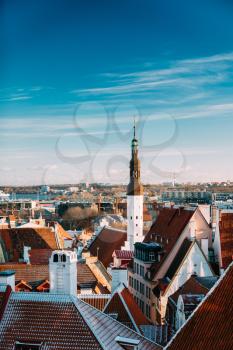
(193,262)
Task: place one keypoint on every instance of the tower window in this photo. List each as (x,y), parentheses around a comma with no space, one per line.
(136,217)
(131,217)
(55,258)
(63,258)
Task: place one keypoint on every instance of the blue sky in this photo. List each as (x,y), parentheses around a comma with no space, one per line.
(75,74)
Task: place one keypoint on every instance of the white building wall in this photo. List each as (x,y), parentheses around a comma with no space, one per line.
(63,274)
(8,280)
(195,263)
(135,220)
(198,229)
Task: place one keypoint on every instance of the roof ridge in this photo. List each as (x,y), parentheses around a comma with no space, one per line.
(113,320)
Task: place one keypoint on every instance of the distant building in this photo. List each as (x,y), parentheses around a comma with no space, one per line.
(182,197)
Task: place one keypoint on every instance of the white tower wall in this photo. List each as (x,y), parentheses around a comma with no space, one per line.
(135,220)
(63,272)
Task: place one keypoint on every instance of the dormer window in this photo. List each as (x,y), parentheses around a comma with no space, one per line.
(127,343)
(27,346)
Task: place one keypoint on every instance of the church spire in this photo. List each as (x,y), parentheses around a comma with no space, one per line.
(134,188)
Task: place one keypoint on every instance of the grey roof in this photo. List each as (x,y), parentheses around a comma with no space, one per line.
(207,282)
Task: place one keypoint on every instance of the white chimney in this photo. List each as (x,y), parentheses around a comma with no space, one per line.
(119,276)
(63,272)
(7,277)
(26,256)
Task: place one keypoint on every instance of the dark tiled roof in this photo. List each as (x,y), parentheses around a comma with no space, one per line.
(166,230)
(184,248)
(210,327)
(226,238)
(108,240)
(207,282)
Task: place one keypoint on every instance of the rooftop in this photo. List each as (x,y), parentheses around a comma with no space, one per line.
(210,326)
(62,322)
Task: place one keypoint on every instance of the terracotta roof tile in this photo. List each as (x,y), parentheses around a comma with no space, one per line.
(32,273)
(62,322)
(210,327)
(98,301)
(124,254)
(43,320)
(191,286)
(108,240)
(16,238)
(40,256)
(125,307)
(226,238)
(134,309)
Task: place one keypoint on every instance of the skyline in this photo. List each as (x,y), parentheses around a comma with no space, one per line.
(73,80)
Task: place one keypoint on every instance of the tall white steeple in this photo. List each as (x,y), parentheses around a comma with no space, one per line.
(134,198)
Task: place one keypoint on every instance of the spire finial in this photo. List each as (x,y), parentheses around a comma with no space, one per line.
(134,128)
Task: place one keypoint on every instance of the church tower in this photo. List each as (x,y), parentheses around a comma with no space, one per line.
(134,199)
(63,272)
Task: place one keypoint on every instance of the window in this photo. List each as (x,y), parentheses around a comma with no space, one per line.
(63,258)
(27,346)
(148,311)
(142,271)
(127,343)
(136,217)
(141,305)
(142,288)
(151,256)
(55,258)
(147,292)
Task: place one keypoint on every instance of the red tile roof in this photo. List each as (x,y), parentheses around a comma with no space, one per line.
(56,324)
(98,301)
(40,256)
(226,238)
(15,239)
(108,240)
(62,322)
(210,327)
(191,286)
(166,229)
(128,312)
(32,273)
(124,254)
